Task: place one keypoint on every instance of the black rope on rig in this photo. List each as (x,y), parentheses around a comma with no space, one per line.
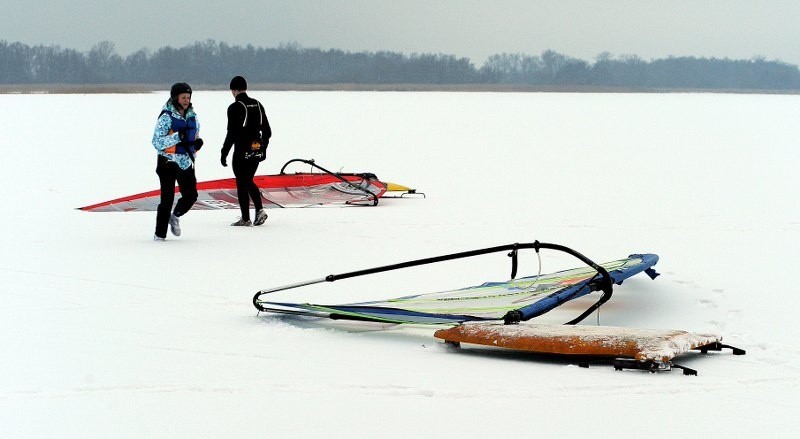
(309,162)
(514,263)
(607,291)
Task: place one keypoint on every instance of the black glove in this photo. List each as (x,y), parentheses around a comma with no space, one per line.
(198,144)
(224,161)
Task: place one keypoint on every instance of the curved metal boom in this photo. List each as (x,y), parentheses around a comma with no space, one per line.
(605,283)
(339,176)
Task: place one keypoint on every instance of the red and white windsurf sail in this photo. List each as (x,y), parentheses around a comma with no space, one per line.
(302,189)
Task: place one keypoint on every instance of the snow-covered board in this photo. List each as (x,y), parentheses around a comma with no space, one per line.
(660,345)
(652,349)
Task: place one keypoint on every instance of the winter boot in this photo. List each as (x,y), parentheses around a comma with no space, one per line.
(175,225)
(261,217)
(241,222)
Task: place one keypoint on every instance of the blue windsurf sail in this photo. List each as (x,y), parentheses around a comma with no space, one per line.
(511,301)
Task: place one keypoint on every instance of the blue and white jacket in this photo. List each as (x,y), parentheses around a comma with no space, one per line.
(166,137)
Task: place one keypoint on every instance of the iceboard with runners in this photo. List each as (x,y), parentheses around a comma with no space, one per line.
(495,313)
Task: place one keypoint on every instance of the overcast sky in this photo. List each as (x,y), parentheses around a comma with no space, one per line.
(739,29)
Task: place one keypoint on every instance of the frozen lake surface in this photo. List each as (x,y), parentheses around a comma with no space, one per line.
(106,333)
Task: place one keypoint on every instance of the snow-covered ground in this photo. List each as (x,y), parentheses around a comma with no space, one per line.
(106,333)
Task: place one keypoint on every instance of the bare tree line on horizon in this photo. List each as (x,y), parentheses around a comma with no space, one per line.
(211,62)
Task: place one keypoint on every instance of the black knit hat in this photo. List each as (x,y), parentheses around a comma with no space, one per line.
(238,83)
(179,88)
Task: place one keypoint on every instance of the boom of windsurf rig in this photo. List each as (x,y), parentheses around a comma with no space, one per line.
(600,281)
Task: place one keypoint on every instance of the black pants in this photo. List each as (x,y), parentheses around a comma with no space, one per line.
(246,188)
(169,173)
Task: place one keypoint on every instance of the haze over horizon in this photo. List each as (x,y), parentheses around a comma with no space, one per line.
(474,29)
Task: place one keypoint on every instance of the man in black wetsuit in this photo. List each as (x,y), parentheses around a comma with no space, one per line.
(248,134)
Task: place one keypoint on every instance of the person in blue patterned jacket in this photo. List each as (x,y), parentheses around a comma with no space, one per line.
(177,140)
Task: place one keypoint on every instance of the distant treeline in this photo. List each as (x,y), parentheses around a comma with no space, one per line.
(212,62)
